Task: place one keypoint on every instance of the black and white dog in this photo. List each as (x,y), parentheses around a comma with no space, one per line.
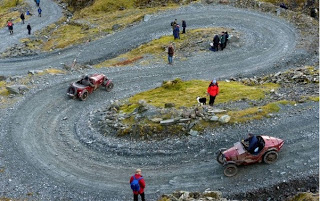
(201,101)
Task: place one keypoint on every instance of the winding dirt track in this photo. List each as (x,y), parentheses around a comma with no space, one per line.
(49,148)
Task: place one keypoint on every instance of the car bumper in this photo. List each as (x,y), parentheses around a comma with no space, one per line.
(70,95)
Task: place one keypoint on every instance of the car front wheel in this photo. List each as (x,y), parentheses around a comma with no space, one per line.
(84,96)
(270,157)
(109,87)
(220,158)
(230,170)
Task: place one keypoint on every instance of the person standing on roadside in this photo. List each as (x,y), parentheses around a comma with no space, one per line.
(38,2)
(216,41)
(227,37)
(222,41)
(29,28)
(170,53)
(184,25)
(22,18)
(138,185)
(10,27)
(213,91)
(39,12)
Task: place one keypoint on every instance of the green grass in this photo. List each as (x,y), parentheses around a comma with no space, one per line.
(305,197)
(313,98)
(67,35)
(183,93)
(256,113)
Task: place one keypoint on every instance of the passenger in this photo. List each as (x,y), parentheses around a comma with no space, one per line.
(251,143)
(85,81)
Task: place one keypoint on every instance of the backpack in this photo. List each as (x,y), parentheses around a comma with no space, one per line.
(135,186)
(172,23)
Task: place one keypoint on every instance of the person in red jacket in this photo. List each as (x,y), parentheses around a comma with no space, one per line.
(213,91)
(141,183)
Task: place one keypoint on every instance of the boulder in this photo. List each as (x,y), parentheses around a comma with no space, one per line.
(17,89)
(224,119)
(184,120)
(156,120)
(216,111)
(33,72)
(116,27)
(193,133)
(167,122)
(213,194)
(146,18)
(214,118)
(2,78)
(169,105)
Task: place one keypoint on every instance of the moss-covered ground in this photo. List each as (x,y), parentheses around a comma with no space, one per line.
(184,93)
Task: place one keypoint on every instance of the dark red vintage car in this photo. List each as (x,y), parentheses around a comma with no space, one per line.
(266,151)
(82,88)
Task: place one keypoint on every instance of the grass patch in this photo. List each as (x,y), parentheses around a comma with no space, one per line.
(184,93)
(305,197)
(51,71)
(313,98)
(256,113)
(67,35)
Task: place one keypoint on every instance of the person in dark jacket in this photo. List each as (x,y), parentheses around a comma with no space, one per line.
(184,25)
(213,91)
(10,27)
(216,41)
(22,18)
(142,184)
(251,143)
(222,40)
(227,37)
(176,32)
(29,28)
(170,53)
(86,81)
(39,12)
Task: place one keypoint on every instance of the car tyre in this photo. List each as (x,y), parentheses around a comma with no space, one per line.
(270,157)
(84,96)
(220,158)
(230,170)
(109,87)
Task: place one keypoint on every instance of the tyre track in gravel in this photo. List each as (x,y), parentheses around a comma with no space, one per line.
(48,147)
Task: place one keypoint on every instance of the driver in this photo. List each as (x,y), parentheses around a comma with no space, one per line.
(86,81)
(251,143)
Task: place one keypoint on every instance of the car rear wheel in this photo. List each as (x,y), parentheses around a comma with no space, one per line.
(270,157)
(220,158)
(109,87)
(84,96)
(230,170)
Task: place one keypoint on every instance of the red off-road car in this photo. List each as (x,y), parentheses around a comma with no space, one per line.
(268,148)
(81,90)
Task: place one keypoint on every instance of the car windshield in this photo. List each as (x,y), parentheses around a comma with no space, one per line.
(239,147)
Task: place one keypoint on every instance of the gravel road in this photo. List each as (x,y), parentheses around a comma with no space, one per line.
(51,12)
(49,151)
